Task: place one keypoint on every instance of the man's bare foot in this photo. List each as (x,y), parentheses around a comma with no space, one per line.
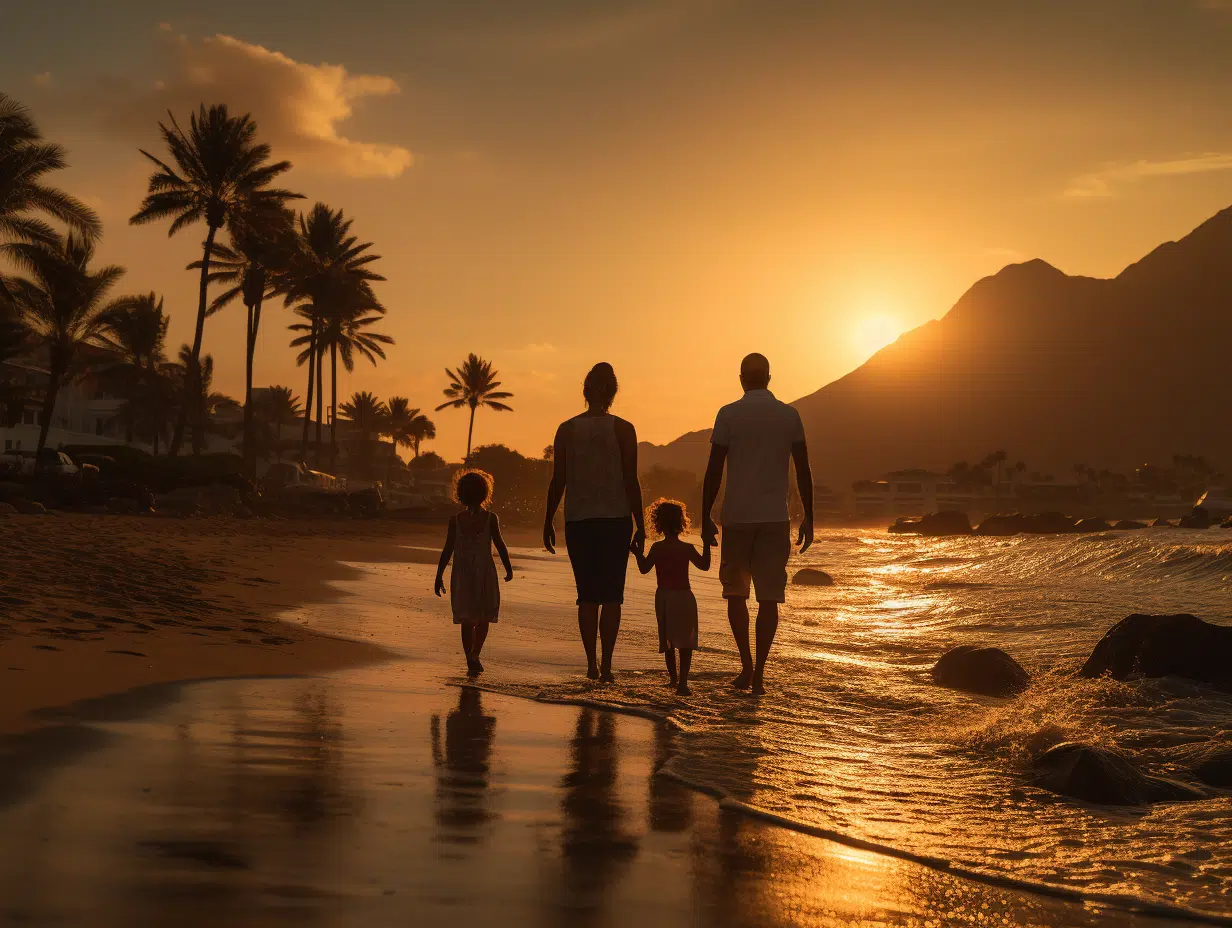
(758,689)
(592,673)
(606,677)
(473,668)
(672,681)
(683,690)
(742,682)
(478,665)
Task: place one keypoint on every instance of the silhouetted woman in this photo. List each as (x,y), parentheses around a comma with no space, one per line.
(595,457)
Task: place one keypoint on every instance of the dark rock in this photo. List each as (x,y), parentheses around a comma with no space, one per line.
(987,671)
(1214,767)
(811,576)
(1199,518)
(1161,523)
(1003,526)
(7,509)
(1226,523)
(1092,525)
(1164,645)
(26,507)
(1127,525)
(1098,775)
(934,524)
(1050,523)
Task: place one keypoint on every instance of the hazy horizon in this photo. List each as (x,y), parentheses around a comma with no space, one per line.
(662,185)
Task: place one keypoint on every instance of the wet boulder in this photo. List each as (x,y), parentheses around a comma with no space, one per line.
(7,509)
(1092,525)
(1213,766)
(811,576)
(28,507)
(1161,522)
(1164,646)
(934,524)
(1129,525)
(1050,523)
(1098,775)
(1003,526)
(986,671)
(1199,518)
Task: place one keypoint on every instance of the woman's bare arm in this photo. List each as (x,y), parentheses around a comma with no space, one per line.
(626,438)
(556,489)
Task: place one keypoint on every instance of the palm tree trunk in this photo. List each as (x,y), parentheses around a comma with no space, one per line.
(250,438)
(469,432)
(320,399)
(49,408)
(312,367)
(333,406)
(178,437)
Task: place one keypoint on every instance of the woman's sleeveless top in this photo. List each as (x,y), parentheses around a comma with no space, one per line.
(594,480)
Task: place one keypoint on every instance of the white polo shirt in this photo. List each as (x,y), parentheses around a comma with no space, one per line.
(758,432)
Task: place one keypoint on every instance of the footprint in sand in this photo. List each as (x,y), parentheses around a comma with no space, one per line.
(122,651)
(47,647)
(276,640)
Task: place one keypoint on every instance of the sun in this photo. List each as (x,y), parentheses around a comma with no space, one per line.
(873,332)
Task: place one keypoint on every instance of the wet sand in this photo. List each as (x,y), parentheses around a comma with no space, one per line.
(386,793)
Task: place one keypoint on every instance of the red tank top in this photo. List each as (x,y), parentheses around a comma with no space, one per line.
(672,567)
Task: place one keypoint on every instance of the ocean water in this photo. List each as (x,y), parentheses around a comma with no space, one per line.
(855,739)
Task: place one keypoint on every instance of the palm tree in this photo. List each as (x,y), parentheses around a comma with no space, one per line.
(252,268)
(473,385)
(64,302)
(136,327)
(220,170)
(408,426)
(329,281)
(13,337)
(367,412)
(200,397)
(25,159)
(279,407)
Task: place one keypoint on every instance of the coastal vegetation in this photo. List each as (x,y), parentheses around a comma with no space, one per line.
(61,307)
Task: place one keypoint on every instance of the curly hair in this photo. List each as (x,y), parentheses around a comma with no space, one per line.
(473,487)
(667,516)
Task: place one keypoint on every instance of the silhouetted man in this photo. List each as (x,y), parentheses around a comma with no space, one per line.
(756,436)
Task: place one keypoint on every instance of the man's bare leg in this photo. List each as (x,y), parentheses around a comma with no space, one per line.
(767,626)
(738,619)
(609,628)
(588,625)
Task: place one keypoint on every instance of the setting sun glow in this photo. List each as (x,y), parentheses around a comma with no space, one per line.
(872,333)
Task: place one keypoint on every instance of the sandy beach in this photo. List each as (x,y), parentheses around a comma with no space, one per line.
(361,781)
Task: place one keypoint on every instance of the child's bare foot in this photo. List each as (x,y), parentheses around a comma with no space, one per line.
(683,690)
(742,682)
(592,672)
(606,677)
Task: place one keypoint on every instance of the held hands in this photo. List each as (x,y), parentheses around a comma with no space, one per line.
(440,585)
(638,544)
(549,537)
(805,538)
(710,532)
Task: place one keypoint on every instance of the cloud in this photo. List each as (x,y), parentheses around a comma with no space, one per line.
(44,80)
(538,348)
(1106,182)
(297,106)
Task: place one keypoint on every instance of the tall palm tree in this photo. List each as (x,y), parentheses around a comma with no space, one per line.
(13,338)
(64,302)
(279,407)
(330,282)
(407,426)
(136,327)
(199,395)
(252,268)
(308,342)
(472,385)
(367,413)
(219,170)
(25,160)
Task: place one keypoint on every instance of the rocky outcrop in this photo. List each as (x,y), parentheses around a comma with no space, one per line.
(1003,526)
(1199,518)
(1098,775)
(1213,766)
(934,524)
(1162,523)
(811,576)
(986,671)
(7,509)
(1164,646)
(1050,523)
(1092,525)
(1129,525)
(26,507)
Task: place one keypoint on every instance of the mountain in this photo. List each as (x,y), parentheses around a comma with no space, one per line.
(1053,369)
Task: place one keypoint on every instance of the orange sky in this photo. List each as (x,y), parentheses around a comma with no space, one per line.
(664,185)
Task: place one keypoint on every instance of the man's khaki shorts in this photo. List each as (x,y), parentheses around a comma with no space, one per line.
(755,553)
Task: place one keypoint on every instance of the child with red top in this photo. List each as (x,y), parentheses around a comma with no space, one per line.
(675,605)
